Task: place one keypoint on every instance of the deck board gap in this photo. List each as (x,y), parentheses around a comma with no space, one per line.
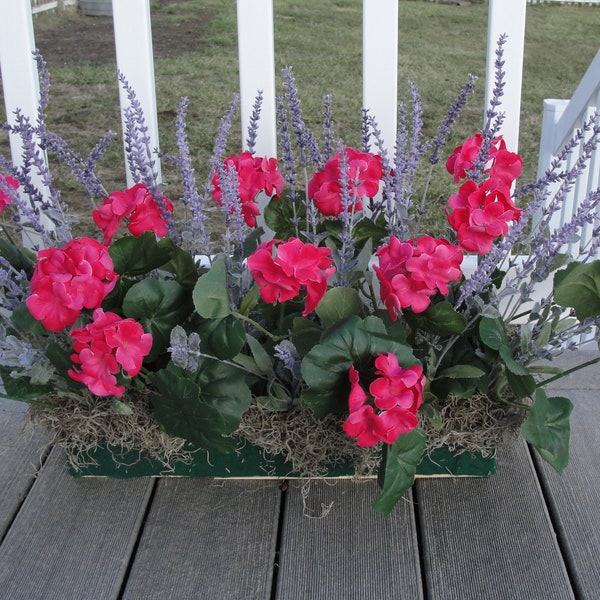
(43,458)
(136,544)
(420,538)
(282,509)
(555,521)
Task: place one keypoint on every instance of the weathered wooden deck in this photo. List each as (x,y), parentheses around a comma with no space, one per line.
(525,533)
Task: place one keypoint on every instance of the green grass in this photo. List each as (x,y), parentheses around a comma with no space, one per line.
(439,44)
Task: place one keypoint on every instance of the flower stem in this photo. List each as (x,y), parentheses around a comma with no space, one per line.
(589,363)
(275,338)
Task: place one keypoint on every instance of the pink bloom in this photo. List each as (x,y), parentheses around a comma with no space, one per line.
(103,347)
(463,157)
(9,182)
(282,269)
(69,279)
(137,206)
(411,272)
(255,174)
(364,174)
(391,408)
(481,213)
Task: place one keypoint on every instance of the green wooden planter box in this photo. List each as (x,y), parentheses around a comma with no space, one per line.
(251,463)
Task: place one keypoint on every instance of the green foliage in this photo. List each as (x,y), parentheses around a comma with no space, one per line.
(399,469)
(548,429)
(578,287)
(211,299)
(204,407)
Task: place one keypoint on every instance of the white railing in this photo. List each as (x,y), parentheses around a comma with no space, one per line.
(561,119)
(38,6)
(381,24)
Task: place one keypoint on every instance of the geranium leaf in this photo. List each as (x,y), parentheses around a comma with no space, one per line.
(20,388)
(338,304)
(158,306)
(492,333)
(211,299)
(355,342)
(203,407)
(401,462)
(138,255)
(440,318)
(261,357)
(223,338)
(462,372)
(578,287)
(547,428)
(184,268)
(279,216)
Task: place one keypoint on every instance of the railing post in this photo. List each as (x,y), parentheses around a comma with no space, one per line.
(135,60)
(256,50)
(380,65)
(507,17)
(20,81)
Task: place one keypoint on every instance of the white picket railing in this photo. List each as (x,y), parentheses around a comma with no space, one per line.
(561,119)
(381,24)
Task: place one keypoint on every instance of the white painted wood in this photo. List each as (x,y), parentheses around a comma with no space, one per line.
(256,49)
(380,65)
(507,17)
(135,60)
(21,86)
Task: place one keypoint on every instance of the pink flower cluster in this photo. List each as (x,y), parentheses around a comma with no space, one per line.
(10,182)
(255,174)
(138,207)
(481,212)
(411,272)
(68,279)
(364,174)
(106,344)
(282,269)
(395,399)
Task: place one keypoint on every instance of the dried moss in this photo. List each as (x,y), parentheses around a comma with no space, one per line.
(310,445)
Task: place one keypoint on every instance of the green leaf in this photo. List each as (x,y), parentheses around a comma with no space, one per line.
(462,372)
(138,255)
(211,299)
(355,342)
(260,355)
(401,462)
(305,334)
(23,320)
(223,338)
(21,388)
(184,268)
(492,333)
(203,407)
(17,257)
(338,304)
(547,428)
(279,216)
(578,287)
(440,318)
(250,300)
(158,306)
(61,361)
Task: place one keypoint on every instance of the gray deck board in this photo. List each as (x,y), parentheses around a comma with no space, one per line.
(20,457)
(574,496)
(353,553)
(490,538)
(72,538)
(207,539)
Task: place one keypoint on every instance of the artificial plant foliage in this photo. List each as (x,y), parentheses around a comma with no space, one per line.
(205,406)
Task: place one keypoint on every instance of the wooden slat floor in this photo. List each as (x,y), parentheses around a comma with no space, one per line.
(525,533)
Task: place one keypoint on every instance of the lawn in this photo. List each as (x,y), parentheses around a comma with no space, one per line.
(196,56)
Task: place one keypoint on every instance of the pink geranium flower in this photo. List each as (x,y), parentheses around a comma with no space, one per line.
(69,279)
(9,182)
(411,272)
(138,207)
(255,174)
(282,269)
(481,213)
(105,346)
(390,409)
(364,174)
